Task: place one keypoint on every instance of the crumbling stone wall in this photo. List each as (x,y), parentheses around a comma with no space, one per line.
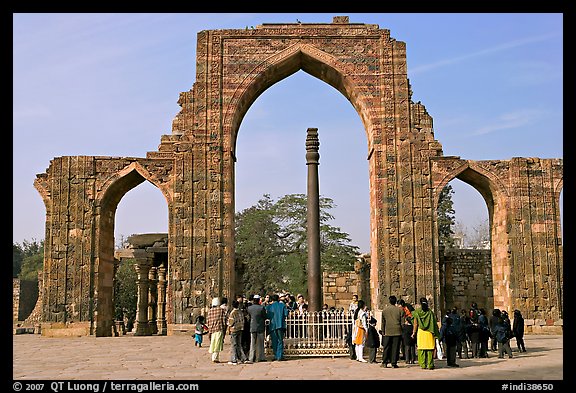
(15,299)
(26,300)
(338,287)
(194,169)
(24,297)
(467,278)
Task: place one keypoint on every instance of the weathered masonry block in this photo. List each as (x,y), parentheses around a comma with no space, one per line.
(194,169)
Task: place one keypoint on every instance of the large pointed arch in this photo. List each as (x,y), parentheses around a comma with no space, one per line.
(280,66)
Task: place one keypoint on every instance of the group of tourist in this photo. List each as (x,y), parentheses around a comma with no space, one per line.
(412,333)
(247,322)
(409,333)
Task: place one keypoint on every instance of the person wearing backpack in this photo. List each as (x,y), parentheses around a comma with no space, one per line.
(496,313)
(503,333)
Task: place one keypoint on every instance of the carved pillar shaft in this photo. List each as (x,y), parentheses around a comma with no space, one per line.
(161,318)
(142,311)
(152,300)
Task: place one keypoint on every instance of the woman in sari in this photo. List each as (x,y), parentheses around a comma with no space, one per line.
(359,330)
(426,332)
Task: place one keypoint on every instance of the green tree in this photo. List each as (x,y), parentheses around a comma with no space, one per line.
(126,292)
(17,257)
(258,247)
(27,259)
(271,244)
(446,218)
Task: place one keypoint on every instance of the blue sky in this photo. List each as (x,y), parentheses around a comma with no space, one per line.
(108,84)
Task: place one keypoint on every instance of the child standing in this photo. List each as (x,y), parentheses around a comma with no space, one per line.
(372,340)
(408,342)
(449,337)
(200,330)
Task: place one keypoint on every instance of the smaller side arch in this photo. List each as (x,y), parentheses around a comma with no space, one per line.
(126,179)
(112,191)
(473,173)
(448,177)
(491,185)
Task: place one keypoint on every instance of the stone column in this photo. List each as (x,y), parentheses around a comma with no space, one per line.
(161,318)
(152,300)
(313,222)
(142,311)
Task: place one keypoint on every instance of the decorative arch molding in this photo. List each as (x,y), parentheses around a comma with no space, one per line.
(127,176)
(42,189)
(557,193)
(465,171)
(449,169)
(478,175)
(558,187)
(299,56)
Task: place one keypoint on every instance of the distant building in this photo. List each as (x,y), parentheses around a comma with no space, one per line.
(458,241)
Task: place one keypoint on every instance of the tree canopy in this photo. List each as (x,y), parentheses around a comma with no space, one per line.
(126,292)
(271,244)
(27,259)
(446,218)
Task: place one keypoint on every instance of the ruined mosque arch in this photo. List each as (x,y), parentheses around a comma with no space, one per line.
(468,275)
(194,168)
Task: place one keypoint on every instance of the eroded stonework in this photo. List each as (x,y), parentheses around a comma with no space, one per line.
(194,169)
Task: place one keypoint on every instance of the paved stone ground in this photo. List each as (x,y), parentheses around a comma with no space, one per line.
(175,358)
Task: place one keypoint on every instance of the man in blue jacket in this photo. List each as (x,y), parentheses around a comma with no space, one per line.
(277,313)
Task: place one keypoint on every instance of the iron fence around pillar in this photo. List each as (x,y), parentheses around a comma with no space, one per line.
(316,333)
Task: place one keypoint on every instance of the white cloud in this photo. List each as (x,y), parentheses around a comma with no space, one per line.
(510,120)
(497,48)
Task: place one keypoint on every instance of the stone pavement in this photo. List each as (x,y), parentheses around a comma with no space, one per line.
(175,358)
